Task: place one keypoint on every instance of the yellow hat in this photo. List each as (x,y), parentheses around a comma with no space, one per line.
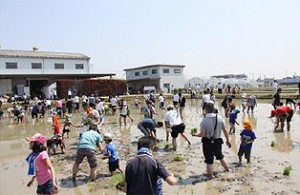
(247,123)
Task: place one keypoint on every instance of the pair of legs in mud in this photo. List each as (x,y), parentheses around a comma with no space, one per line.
(176,130)
(124,118)
(211,150)
(92,160)
(282,118)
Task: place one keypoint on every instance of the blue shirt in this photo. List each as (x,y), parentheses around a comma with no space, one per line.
(247,136)
(89,139)
(232,117)
(111,149)
(149,123)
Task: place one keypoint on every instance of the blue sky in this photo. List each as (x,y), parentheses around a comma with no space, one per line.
(255,37)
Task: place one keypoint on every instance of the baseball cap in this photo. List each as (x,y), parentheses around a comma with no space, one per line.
(107,136)
(247,123)
(37,138)
(273,113)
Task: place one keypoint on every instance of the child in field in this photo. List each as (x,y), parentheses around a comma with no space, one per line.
(41,166)
(55,124)
(247,138)
(111,153)
(67,125)
(232,120)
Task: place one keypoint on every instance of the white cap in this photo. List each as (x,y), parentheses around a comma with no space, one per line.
(107,135)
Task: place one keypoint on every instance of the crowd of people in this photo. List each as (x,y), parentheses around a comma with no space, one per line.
(144,172)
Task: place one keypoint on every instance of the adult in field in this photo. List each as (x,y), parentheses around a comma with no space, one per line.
(211,127)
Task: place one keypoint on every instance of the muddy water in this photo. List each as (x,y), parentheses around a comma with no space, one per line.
(262,176)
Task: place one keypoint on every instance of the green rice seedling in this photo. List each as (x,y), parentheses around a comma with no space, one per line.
(178,158)
(167,146)
(287,171)
(272,144)
(194,130)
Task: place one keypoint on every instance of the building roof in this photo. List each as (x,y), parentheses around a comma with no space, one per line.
(57,76)
(230,76)
(154,65)
(42,54)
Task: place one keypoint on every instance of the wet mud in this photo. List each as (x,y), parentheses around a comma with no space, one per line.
(264,175)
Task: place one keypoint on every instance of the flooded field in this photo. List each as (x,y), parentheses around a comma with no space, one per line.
(264,175)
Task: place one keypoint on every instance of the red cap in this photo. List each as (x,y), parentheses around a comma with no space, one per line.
(273,113)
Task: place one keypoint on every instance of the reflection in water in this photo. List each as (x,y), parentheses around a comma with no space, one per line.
(193,164)
(234,142)
(283,142)
(247,185)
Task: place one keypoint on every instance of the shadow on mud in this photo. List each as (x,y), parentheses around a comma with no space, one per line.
(68,182)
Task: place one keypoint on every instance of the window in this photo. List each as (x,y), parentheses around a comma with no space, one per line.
(11,65)
(59,66)
(166,71)
(145,72)
(166,85)
(78,66)
(36,65)
(177,71)
(154,71)
(137,74)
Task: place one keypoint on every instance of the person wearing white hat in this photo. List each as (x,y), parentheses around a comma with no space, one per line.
(110,153)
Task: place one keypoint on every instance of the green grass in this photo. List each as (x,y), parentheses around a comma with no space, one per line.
(116,179)
(287,171)
(178,158)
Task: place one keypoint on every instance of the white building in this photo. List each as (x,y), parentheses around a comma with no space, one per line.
(29,71)
(163,77)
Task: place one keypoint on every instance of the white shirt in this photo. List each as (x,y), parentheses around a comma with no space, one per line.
(76,99)
(275,85)
(85,116)
(173,118)
(220,86)
(69,92)
(84,98)
(48,102)
(161,99)
(100,106)
(206,98)
(124,110)
(113,101)
(176,98)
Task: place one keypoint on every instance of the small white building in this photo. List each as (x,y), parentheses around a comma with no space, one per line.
(29,71)
(164,77)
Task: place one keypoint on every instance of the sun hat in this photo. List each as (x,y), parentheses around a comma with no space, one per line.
(247,123)
(37,138)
